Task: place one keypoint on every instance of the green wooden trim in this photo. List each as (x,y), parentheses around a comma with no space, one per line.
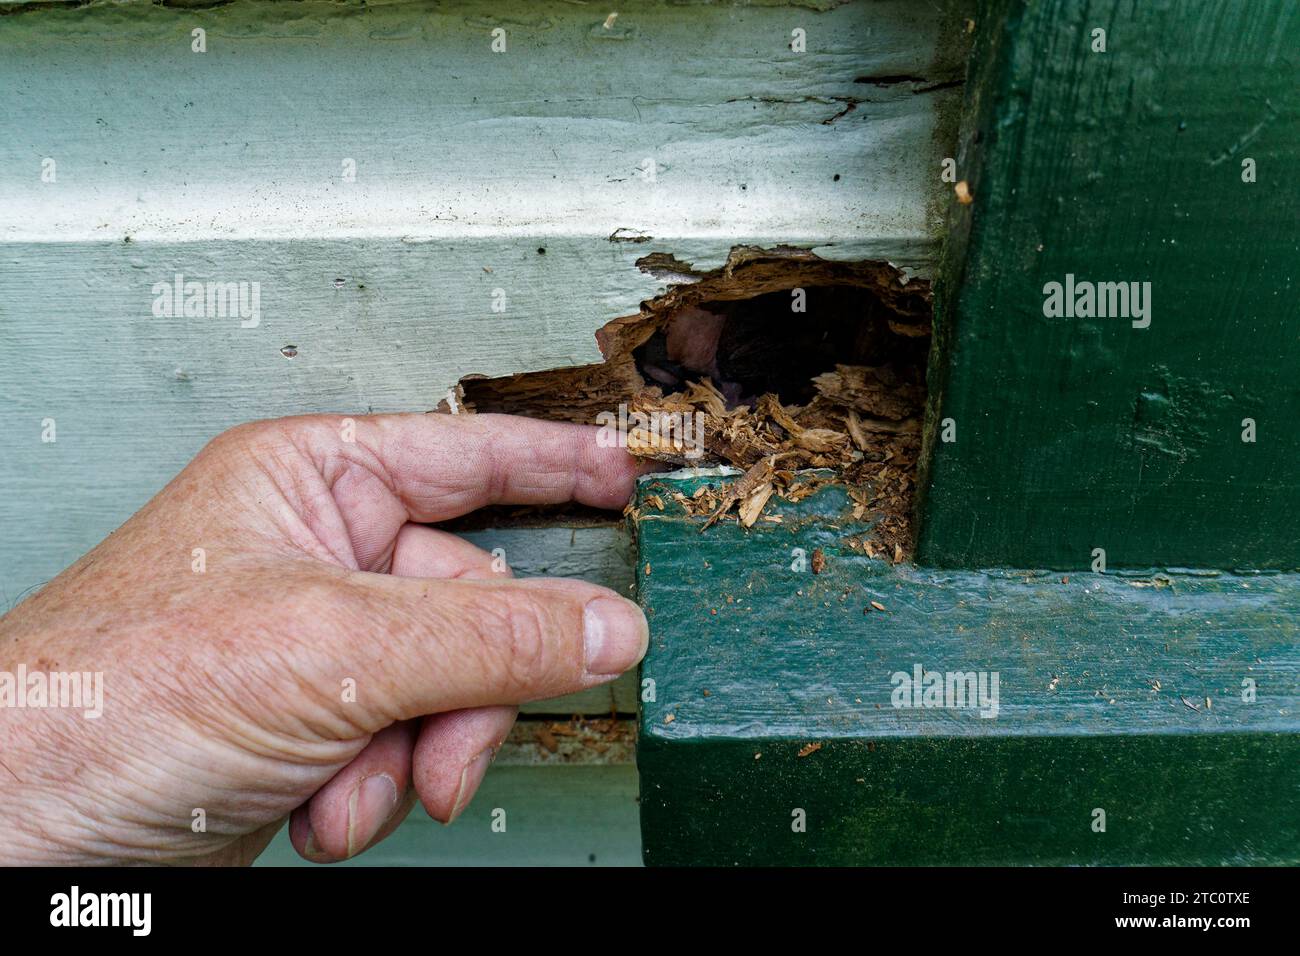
(1123,692)
(1082,433)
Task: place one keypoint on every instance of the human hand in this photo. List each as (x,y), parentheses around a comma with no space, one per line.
(226,672)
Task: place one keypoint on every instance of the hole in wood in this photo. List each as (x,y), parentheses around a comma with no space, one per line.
(792,362)
(778,343)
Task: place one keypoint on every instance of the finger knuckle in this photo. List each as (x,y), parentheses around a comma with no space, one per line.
(523,632)
(241,436)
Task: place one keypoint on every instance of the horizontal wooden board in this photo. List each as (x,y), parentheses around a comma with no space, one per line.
(554,816)
(476,172)
(1172,702)
(749,138)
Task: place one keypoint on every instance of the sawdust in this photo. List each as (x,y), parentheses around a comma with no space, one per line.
(862,422)
(874,454)
(579,740)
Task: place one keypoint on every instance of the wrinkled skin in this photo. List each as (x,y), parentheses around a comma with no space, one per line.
(227,675)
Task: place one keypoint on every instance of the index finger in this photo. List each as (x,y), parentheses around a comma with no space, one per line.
(442,466)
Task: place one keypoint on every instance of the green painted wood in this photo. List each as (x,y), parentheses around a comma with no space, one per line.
(1083,433)
(554,816)
(1170,702)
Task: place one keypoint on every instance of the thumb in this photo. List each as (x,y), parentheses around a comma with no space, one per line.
(438,645)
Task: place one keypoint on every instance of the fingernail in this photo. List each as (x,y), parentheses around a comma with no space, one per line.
(470,778)
(312,849)
(615,633)
(369,808)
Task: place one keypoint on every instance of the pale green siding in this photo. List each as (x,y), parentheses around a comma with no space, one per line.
(522,171)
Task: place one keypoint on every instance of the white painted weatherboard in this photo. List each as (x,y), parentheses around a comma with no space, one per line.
(229,166)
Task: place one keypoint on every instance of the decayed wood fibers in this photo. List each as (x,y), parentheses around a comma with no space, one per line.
(863,422)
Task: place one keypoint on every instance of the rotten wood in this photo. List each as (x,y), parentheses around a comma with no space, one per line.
(863,422)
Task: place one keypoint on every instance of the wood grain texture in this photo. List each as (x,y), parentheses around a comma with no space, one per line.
(226,166)
(776,689)
(453,140)
(1082,433)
